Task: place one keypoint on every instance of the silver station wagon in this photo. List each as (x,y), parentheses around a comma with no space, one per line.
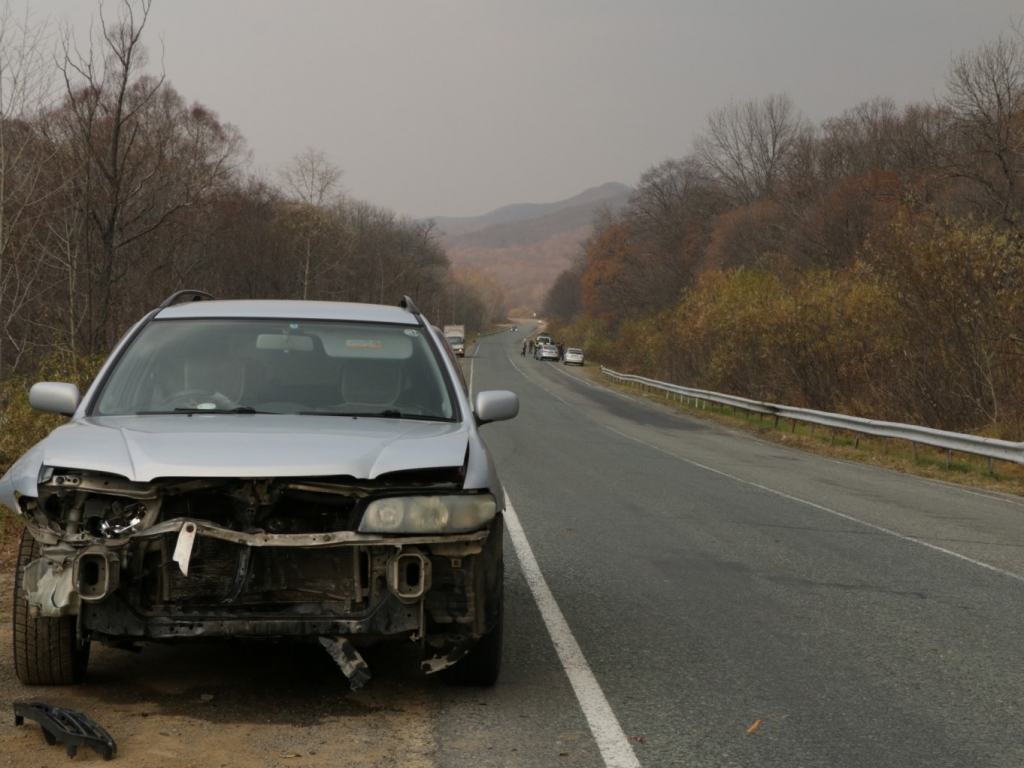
(264,469)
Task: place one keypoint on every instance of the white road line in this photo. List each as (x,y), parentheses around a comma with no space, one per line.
(611,739)
(837,513)
(471,376)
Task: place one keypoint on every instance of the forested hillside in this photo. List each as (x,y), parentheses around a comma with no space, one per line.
(872,264)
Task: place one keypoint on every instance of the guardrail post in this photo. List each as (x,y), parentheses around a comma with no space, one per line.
(792,429)
(833,440)
(885,445)
(915,451)
(949,457)
(776,421)
(856,441)
(990,465)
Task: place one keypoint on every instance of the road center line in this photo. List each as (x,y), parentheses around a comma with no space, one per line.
(611,739)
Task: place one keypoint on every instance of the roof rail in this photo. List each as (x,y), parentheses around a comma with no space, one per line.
(196,296)
(408,306)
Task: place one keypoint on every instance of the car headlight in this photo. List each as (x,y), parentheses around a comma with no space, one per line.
(428,514)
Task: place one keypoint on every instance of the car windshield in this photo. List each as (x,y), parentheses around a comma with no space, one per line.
(278,367)
(454,339)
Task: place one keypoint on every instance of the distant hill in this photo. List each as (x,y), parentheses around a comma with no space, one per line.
(524,247)
(525,211)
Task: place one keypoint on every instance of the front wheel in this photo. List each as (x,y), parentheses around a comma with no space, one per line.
(482,665)
(47,650)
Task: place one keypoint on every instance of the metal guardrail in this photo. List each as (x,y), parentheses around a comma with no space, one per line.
(991,448)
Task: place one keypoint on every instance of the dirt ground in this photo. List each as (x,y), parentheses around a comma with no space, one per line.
(227,705)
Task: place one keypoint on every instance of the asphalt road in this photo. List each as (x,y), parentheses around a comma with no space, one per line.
(726,602)
(714,581)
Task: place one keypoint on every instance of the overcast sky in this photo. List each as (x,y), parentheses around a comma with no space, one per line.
(457,107)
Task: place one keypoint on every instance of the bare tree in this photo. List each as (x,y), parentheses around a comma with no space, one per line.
(312,179)
(986,97)
(313,183)
(137,157)
(26,80)
(747,145)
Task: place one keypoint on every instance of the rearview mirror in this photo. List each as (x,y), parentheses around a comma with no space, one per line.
(495,405)
(54,397)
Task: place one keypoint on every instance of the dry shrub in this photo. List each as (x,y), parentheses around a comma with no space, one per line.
(958,293)
(833,346)
(723,331)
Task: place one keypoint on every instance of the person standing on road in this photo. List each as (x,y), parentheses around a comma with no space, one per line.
(523,353)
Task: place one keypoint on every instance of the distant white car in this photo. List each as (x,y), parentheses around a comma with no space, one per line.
(573,355)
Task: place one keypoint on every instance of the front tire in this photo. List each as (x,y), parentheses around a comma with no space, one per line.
(481,666)
(47,650)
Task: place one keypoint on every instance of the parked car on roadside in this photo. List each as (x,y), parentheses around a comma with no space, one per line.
(264,469)
(572,356)
(547,352)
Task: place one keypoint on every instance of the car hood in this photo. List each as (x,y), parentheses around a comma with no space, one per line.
(143,448)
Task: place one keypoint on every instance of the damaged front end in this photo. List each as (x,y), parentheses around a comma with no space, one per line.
(336,559)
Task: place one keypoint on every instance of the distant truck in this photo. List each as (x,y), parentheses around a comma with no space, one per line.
(456,335)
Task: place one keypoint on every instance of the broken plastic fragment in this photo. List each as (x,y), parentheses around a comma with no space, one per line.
(452,649)
(348,658)
(71,728)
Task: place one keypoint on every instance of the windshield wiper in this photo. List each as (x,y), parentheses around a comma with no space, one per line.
(388,414)
(392,414)
(190,411)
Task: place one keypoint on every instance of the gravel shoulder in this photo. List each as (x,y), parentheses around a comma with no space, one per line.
(229,705)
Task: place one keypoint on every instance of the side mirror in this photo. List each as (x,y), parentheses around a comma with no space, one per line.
(495,405)
(54,397)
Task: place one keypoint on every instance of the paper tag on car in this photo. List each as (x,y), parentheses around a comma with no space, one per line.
(183,549)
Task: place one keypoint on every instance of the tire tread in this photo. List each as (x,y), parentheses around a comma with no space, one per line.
(46,649)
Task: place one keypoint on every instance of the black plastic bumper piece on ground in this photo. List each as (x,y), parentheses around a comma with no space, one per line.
(68,727)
